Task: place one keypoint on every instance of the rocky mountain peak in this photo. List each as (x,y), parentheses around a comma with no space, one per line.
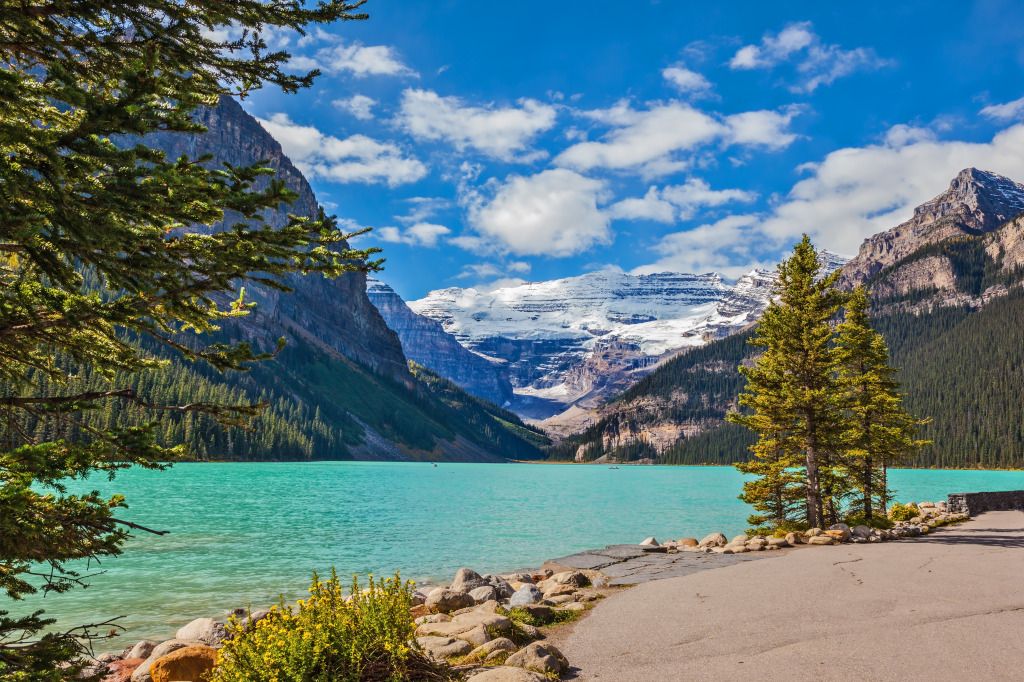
(976,202)
(989,199)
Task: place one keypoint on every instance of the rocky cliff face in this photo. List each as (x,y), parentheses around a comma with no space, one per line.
(975,203)
(335,312)
(427,343)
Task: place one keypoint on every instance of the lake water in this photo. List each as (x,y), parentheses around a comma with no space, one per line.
(247,533)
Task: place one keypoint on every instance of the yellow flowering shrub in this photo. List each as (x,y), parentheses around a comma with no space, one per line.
(366,637)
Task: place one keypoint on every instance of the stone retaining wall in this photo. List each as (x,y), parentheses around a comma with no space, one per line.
(975,503)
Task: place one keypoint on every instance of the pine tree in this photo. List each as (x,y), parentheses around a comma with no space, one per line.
(95,253)
(879,432)
(792,389)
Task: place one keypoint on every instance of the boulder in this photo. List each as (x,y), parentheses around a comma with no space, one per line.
(839,526)
(574,606)
(561,599)
(419,611)
(253,618)
(822,540)
(501,586)
(499,645)
(813,532)
(795,538)
(651,542)
(527,594)
(141,674)
(444,647)
(433,618)
(838,534)
(735,549)
(688,542)
(518,577)
(926,505)
(506,674)
(204,630)
(531,631)
(713,540)
(190,664)
(467,579)
(574,578)
(861,532)
(555,590)
(121,671)
(778,542)
(142,650)
(542,658)
(444,600)
(739,540)
(538,612)
(482,594)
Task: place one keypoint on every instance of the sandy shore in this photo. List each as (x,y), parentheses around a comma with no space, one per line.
(947,605)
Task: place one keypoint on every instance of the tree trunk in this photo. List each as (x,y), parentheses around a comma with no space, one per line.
(867,487)
(815,513)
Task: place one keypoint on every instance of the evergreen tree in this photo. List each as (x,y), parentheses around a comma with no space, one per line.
(879,431)
(792,389)
(95,253)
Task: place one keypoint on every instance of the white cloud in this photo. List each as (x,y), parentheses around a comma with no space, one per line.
(422,208)
(724,246)
(657,141)
(359,106)
(553,213)
(358,59)
(819,64)
(354,159)
(420,234)
(493,270)
(850,195)
(677,202)
(774,49)
(685,80)
(1010,111)
(500,132)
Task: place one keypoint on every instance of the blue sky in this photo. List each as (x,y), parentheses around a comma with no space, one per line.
(487,142)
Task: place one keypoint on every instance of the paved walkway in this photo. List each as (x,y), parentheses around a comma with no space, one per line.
(946,606)
(634,564)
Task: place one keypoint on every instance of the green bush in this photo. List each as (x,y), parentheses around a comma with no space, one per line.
(366,638)
(902,512)
(784,529)
(875,521)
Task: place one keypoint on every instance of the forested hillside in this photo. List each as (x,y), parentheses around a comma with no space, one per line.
(962,368)
(320,406)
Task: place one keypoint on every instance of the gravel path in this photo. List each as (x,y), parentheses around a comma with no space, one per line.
(944,606)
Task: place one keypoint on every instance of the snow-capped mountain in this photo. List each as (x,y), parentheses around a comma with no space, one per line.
(578,339)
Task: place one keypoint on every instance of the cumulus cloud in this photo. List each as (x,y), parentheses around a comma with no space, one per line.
(686,80)
(552,213)
(1011,111)
(359,106)
(419,234)
(818,64)
(503,133)
(355,58)
(354,159)
(660,140)
(850,195)
(677,202)
(724,246)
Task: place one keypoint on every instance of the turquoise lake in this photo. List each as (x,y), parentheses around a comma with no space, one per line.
(248,533)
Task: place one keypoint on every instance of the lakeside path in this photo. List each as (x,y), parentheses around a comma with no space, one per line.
(943,606)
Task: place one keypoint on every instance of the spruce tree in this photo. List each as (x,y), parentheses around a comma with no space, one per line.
(792,388)
(879,433)
(95,254)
